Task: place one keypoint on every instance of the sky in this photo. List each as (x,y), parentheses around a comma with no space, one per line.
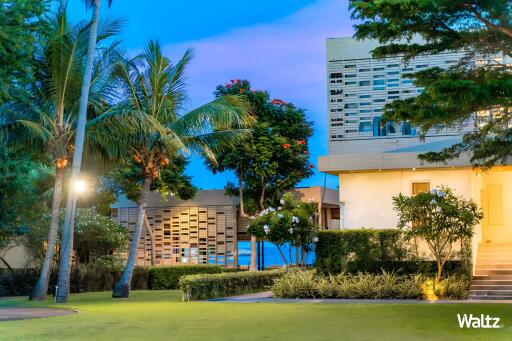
(278,45)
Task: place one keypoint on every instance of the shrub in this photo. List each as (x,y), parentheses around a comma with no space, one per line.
(205,286)
(386,285)
(168,277)
(372,251)
(83,278)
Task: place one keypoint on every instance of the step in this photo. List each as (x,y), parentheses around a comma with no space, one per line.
(499,272)
(490,287)
(490,282)
(493,267)
(491,292)
(493,277)
(477,297)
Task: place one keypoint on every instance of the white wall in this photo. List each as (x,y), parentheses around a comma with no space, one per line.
(368,196)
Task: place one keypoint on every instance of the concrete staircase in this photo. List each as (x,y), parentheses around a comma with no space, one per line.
(493,273)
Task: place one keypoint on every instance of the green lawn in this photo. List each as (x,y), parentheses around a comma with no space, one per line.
(159,315)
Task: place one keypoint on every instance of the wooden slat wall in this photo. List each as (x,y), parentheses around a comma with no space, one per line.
(186,235)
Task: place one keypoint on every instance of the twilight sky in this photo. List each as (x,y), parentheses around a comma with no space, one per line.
(277,45)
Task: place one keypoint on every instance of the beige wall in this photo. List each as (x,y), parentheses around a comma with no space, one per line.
(367,196)
(18,257)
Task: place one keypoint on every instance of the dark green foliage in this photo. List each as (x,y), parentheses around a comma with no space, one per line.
(359,250)
(84,278)
(173,180)
(20,24)
(202,287)
(275,157)
(481,28)
(168,277)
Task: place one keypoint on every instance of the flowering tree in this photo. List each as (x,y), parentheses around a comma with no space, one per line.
(440,218)
(292,223)
(270,161)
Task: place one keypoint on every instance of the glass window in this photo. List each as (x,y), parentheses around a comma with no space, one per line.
(365,96)
(378,88)
(365,70)
(350,66)
(379,100)
(378,82)
(378,76)
(393,65)
(350,83)
(365,127)
(350,105)
(390,73)
(364,83)
(351,114)
(378,69)
(420,187)
(353,75)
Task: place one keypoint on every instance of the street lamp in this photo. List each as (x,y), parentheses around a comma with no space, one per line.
(79,185)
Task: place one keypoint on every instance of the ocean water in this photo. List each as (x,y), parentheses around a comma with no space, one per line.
(272,256)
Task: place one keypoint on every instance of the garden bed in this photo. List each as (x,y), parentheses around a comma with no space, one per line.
(387,285)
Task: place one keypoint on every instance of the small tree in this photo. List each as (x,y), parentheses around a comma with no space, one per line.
(439,218)
(293,223)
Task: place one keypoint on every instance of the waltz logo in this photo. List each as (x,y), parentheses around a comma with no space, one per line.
(482,321)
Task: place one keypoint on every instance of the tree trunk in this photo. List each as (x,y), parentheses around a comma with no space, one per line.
(41,288)
(122,288)
(439,270)
(151,238)
(241,193)
(67,233)
(252,266)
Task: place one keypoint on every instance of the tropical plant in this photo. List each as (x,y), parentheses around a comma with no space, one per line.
(272,160)
(439,218)
(45,125)
(67,244)
(293,223)
(154,88)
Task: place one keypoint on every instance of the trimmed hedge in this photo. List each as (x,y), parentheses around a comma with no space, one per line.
(202,287)
(373,250)
(168,277)
(84,278)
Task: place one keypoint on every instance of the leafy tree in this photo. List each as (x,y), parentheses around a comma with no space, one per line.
(20,203)
(21,22)
(45,125)
(154,90)
(273,159)
(292,223)
(439,218)
(471,90)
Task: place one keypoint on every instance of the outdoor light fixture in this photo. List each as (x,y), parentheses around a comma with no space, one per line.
(79,185)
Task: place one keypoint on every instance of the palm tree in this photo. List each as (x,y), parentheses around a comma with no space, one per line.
(67,235)
(154,87)
(47,125)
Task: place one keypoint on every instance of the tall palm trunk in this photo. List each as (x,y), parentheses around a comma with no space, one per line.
(122,288)
(149,230)
(67,233)
(41,288)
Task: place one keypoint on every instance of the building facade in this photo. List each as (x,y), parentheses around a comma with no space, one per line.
(375,163)
(205,229)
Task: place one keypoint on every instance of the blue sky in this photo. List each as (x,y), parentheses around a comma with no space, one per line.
(279,45)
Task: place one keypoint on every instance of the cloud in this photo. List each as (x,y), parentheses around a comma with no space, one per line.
(285,57)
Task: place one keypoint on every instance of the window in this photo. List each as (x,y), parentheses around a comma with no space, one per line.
(393,80)
(364,104)
(421,66)
(378,110)
(365,111)
(365,70)
(378,82)
(379,100)
(390,73)
(352,66)
(350,83)
(420,187)
(393,97)
(351,121)
(378,69)
(365,127)
(408,69)
(350,105)
(352,75)
(393,92)
(393,65)
(365,96)
(378,76)
(350,131)
(364,83)
(350,95)
(407,81)
(378,88)
(351,114)
(335,213)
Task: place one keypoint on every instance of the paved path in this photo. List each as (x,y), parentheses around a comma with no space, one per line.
(8,314)
(266,297)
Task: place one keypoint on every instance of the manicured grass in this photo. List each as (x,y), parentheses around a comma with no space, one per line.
(159,315)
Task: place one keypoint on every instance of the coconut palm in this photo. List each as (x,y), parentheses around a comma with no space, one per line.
(67,235)
(47,123)
(155,87)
